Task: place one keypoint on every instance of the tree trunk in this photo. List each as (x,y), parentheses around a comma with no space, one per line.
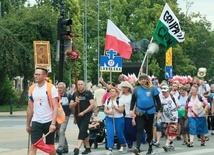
(24,93)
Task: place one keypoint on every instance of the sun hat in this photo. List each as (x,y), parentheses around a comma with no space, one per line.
(165,88)
(125,84)
(143,76)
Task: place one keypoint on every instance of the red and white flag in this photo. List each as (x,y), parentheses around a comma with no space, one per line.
(116,40)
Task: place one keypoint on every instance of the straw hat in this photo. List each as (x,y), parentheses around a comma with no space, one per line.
(125,84)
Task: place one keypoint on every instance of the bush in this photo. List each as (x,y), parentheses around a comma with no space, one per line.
(7,92)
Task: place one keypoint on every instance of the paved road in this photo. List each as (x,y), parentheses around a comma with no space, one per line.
(13,141)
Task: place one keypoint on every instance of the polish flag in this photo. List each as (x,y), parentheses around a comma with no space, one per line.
(116,40)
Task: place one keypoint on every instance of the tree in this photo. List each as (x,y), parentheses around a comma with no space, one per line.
(38,24)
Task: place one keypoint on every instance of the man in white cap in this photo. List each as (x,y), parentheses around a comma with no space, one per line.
(169,116)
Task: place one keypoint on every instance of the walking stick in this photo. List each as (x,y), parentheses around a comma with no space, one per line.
(113,121)
(114,124)
(28,147)
(77,93)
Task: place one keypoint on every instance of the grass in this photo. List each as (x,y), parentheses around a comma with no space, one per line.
(6,108)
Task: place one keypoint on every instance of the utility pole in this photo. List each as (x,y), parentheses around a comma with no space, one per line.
(98,41)
(63,34)
(86,43)
(0,10)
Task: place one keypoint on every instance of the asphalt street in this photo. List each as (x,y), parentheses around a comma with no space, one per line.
(14,140)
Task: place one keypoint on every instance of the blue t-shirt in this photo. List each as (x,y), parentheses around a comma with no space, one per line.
(145,100)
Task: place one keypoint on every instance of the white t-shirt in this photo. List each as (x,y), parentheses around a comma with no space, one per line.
(203,88)
(109,106)
(126,100)
(170,112)
(42,110)
(182,101)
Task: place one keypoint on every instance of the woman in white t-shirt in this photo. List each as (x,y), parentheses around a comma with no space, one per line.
(182,98)
(130,130)
(114,121)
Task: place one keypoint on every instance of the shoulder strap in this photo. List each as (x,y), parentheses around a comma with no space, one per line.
(135,91)
(30,94)
(48,92)
(153,91)
(179,97)
(200,98)
(108,101)
(204,87)
(173,99)
(117,100)
(31,89)
(188,99)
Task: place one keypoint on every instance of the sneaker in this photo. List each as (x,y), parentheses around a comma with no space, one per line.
(171,144)
(212,133)
(123,149)
(190,144)
(76,151)
(86,151)
(157,144)
(203,143)
(136,151)
(59,151)
(178,138)
(109,152)
(207,138)
(166,148)
(184,143)
(130,146)
(150,151)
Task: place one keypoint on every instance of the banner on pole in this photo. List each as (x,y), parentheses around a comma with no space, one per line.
(169,57)
(42,56)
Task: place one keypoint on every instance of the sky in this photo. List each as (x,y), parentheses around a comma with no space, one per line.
(202,6)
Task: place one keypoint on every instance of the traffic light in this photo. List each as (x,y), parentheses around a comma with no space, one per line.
(62,27)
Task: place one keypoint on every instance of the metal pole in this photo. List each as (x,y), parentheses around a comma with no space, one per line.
(146,54)
(98,43)
(61,53)
(86,44)
(110,19)
(147,64)
(110,9)
(11,106)
(0,10)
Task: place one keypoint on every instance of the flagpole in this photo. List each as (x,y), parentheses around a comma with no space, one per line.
(141,67)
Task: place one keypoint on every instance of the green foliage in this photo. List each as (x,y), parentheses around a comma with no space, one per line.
(155,68)
(6,108)
(6,91)
(20,26)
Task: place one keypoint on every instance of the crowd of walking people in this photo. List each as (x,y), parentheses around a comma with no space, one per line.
(136,111)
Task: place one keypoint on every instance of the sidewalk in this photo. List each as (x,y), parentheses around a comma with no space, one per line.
(14,138)
(14,114)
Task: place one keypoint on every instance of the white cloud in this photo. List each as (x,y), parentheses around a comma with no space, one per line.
(204,7)
(32,2)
